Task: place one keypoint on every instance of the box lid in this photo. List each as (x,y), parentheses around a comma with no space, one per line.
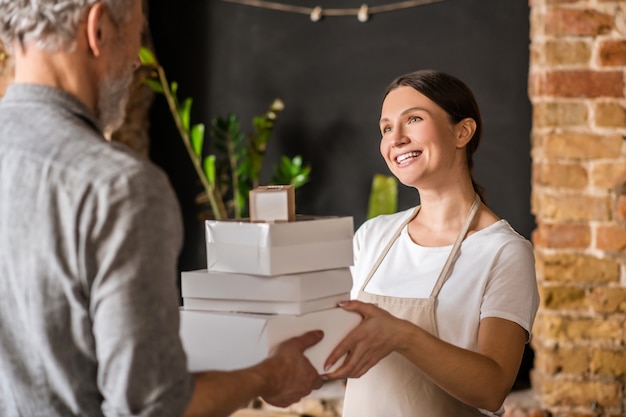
(290,287)
(306,229)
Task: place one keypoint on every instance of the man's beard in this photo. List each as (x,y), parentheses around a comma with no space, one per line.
(113,97)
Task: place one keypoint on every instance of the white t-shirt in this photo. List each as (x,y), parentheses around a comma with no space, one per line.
(493,276)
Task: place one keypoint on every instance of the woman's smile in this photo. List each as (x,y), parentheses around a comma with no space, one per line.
(406,158)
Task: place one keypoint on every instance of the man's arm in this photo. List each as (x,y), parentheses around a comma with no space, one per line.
(283,378)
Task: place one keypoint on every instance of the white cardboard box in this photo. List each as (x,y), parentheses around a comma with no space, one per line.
(285,288)
(273,202)
(308,244)
(228,341)
(264,307)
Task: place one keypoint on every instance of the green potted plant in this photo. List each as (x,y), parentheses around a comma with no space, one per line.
(228,174)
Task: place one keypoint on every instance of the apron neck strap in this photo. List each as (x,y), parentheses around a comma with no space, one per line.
(451,257)
(445,272)
(388,246)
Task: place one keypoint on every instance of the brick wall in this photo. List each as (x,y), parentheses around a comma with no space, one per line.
(577,88)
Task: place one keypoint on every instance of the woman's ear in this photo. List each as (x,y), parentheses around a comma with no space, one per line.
(96,28)
(465,130)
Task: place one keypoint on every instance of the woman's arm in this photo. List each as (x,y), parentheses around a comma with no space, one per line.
(481,379)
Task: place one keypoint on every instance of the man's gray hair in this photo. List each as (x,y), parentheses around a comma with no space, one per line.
(52,24)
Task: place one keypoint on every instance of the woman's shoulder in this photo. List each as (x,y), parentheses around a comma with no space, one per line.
(500,235)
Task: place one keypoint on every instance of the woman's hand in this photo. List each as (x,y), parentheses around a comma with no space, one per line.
(480,378)
(378,334)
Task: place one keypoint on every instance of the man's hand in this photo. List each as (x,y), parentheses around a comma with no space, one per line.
(288,373)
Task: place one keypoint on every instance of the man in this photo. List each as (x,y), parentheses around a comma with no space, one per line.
(90,235)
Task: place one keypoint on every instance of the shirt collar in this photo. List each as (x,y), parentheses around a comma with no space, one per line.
(53,96)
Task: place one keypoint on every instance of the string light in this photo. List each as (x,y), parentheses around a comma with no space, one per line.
(316,13)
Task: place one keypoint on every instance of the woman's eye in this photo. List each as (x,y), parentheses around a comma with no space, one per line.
(414,119)
(386,129)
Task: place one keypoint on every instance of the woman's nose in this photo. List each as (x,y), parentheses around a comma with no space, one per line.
(399,138)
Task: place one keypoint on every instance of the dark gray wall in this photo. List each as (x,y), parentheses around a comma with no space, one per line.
(330,74)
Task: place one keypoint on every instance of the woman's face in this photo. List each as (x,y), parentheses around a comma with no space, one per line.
(419,143)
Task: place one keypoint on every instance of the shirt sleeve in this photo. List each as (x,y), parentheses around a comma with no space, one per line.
(511,291)
(135,238)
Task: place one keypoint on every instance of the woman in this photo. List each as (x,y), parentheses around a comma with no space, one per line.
(447,290)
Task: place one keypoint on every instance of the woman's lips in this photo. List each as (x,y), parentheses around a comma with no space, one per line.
(403,158)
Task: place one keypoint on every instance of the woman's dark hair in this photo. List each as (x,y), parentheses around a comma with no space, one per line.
(452,95)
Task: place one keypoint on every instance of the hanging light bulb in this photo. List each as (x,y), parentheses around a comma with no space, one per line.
(363,14)
(316,14)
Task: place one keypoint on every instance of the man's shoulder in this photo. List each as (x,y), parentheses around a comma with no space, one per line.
(101,160)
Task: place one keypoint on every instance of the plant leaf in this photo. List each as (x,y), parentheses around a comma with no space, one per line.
(291,171)
(185,113)
(209,169)
(299,180)
(147,57)
(197,138)
(155,85)
(383,196)
(174,88)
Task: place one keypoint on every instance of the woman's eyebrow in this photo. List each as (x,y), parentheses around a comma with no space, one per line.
(409,110)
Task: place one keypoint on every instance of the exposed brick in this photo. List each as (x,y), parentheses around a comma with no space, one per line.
(608,300)
(577,268)
(621,208)
(564,392)
(608,175)
(562,235)
(565,175)
(612,53)
(578,55)
(610,115)
(560,114)
(608,330)
(583,22)
(536,25)
(563,298)
(609,362)
(567,53)
(582,146)
(562,360)
(572,207)
(611,238)
(572,84)
(536,54)
(620,19)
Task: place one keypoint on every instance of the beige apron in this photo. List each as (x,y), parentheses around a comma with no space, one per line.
(395,387)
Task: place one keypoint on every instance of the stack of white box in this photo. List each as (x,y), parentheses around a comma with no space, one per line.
(265,283)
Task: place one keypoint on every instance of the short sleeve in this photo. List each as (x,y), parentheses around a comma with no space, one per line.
(511,291)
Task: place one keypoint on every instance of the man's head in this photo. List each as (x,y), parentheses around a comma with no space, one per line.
(101,37)
(52,25)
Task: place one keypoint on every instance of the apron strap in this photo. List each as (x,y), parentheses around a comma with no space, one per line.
(445,272)
(388,246)
(451,257)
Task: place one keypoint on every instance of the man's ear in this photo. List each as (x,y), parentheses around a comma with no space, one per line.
(95,28)
(465,131)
